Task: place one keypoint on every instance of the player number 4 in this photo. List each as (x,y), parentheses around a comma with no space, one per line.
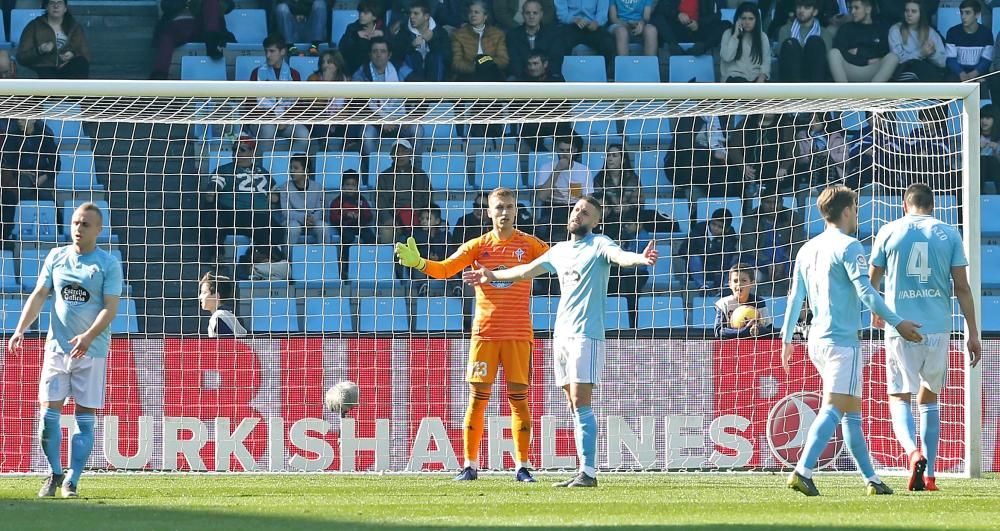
(918,262)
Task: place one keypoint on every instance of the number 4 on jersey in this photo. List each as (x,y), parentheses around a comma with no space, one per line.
(918,262)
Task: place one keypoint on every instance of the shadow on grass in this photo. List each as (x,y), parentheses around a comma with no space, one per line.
(94,513)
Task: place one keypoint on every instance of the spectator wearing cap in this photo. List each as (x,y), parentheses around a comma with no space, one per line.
(403,187)
(712,248)
(278,69)
(237,199)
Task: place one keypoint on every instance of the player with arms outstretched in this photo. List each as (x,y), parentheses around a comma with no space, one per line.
(87,283)
(833,271)
(583,265)
(501,333)
(920,257)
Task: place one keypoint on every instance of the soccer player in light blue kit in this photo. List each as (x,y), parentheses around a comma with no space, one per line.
(86,283)
(583,265)
(920,257)
(833,271)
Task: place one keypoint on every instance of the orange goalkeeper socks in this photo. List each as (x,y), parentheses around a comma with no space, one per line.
(473,433)
(520,425)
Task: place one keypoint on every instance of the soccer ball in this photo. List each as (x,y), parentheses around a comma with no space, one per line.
(342,397)
(741,315)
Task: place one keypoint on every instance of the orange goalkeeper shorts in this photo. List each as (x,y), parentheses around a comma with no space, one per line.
(486,357)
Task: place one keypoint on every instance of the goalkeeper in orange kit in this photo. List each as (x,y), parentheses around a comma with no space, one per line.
(501,332)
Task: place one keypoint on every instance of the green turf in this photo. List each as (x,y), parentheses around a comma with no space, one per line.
(293,502)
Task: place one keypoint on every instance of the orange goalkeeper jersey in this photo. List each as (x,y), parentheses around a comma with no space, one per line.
(503,309)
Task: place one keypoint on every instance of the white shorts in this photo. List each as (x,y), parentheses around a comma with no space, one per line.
(910,366)
(840,368)
(577,360)
(62,376)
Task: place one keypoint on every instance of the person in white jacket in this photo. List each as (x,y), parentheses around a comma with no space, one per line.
(302,203)
(745,52)
(919,46)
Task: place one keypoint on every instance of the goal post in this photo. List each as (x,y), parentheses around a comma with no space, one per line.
(675,398)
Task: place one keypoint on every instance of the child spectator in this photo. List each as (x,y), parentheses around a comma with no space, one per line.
(989,149)
(356,42)
(741,282)
(216,293)
(386,230)
(53,45)
(277,69)
(302,21)
(629,19)
(479,49)
(969,44)
(804,45)
(422,46)
(860,51)
(919,47)
(711,249)
(350,213)
(302,203)
(745,51)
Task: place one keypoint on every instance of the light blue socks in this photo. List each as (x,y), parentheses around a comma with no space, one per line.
(50,437)
(819,435)
(854,437)
(82,445)
(586,439)
(903,425)
(930,433)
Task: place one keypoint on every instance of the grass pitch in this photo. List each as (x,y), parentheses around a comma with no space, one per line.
(636,501)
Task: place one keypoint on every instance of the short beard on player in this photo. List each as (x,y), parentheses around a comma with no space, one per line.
(580,231)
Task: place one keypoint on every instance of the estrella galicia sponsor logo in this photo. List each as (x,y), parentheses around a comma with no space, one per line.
(75,295)
(501,283)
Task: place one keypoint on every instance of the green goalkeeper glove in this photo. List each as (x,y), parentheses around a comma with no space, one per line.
(409,256)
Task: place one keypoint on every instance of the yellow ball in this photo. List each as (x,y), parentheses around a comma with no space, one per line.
(742,315)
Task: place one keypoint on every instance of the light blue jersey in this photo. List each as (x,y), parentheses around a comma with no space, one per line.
(583,268)
(917,253)
(833,271)
(78,283)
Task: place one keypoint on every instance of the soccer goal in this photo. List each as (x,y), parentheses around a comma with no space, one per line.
(297,192)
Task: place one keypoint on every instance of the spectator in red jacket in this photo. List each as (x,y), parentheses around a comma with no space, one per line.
(351,216)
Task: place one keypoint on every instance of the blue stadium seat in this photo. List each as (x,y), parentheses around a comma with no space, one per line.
(126,321)
(598,133)
(727,14)
(198,68)
(649,167)
(707,205)
(703,312)
(995,22)
(637,69)
(383,314)
(68,133)
(8,280)
(948,17)
(245,65)
(991,314)
(656,132)
(778,306)
(543,312)
(452,211)
(677,209)
(497,169)
(10,314)
(276,163)
(372,266)
(249,26)
(316,266)
(663,277)
(76,172)
(987,204)
(341,19)
(106,235)
(446,171)
(19,19)
(584,69)
(876,211)
(31,261)
(440,314)
(305,64)
(329,314)
(990,265)
(377,163)
(659,312)
(685,68)
(330,168)
(274,314)
(945,208)
(616,315)
(3,33)
(36,221)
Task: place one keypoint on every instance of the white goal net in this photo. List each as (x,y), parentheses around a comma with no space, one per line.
(299,191)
